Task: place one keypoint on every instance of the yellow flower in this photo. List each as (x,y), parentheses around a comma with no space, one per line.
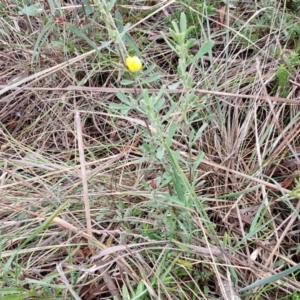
(134,64)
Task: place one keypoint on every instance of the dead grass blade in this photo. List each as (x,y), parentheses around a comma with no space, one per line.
(84,177)
(137,90)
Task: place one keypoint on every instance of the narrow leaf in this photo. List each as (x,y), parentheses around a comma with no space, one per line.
(160,153)
(119,21)
(87,7)
(198,161)
(127,82)
(205,48)
(80,34)
(270,279)
(183,22)
(31,10)
(171,133)
(151,78)
(121,96)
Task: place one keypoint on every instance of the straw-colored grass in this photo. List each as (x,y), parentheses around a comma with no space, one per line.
(176,182)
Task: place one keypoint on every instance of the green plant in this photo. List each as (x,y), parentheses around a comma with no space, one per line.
(282,75)
(284,72)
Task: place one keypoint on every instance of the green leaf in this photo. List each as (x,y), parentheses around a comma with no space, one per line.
(151,78)
(4,33)
(199,133)
(258,215)
(55,6)
(174,36)
(166,276)
(181,67)
(140,288)
(11,290)
(121,96)
(45,224)
(80,34)
(270,279)
(189,30)
(183,26)
(205,48)
(173,199)
(190,43)
(111,4)
(198,161)
(171,133)
(132,43)
(43,36)
(242,192)
(177,180)
(159,103)
(176,28)
(118,106)
(87,7)
(58,44)
(140,291)
(175,85)
(167,41)
(119,21)
(149,70)
(125,292)
(127,82)
(192,135)
(20,296)
(160,153)
(32,10)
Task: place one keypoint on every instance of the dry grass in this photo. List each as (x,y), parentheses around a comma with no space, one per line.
(92,194)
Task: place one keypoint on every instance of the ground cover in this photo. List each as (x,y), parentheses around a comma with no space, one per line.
(149,150)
